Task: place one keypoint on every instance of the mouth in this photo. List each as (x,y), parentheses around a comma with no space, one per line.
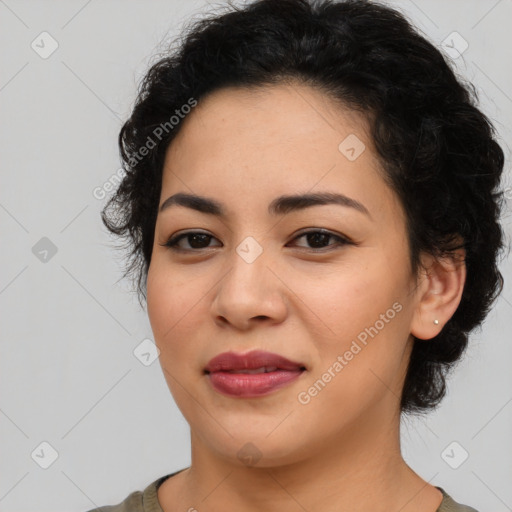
(254,371)
(256,361)
(253,374)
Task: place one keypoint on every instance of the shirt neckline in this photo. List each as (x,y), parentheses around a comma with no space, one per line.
(150,501)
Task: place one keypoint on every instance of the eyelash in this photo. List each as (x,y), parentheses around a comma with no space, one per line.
(341,240)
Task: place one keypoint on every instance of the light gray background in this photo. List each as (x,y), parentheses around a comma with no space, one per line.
(69,327)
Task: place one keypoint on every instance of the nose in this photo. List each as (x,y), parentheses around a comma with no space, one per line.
(251,292)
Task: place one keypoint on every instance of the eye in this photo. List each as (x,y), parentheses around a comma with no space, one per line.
(319,238)
(198,240)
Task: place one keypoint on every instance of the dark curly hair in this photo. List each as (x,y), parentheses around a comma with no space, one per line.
(437,149)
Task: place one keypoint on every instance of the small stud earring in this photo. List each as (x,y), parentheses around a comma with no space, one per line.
(436,321)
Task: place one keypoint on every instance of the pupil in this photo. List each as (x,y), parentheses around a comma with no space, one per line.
(195,238)
(316,236)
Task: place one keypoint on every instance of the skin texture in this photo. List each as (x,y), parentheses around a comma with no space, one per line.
(341,450)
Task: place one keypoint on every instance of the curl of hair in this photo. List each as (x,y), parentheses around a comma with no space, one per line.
(437,149)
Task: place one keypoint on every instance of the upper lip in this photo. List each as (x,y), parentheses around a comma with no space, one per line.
(250,360)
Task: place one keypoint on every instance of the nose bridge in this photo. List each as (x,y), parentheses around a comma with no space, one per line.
(249,267)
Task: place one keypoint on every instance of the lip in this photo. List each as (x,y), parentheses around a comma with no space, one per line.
(222,373)
(249,361)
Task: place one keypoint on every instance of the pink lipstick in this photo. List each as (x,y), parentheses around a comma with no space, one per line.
(252,374)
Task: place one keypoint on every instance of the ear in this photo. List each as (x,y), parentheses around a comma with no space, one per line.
(441,282)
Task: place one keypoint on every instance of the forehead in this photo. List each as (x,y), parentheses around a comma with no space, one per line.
(291,111)
(272,140)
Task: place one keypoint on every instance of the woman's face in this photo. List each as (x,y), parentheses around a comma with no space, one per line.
(342,307)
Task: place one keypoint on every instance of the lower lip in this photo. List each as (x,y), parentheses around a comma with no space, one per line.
(247,385)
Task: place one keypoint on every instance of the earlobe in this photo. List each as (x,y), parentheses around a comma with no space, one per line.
(439,293)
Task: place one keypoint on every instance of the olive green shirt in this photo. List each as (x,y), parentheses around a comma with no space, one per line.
(147,501)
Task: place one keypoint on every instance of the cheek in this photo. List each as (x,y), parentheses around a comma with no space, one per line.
(171,302)
(159,301)
(172,307)
(366,322)
(351,299)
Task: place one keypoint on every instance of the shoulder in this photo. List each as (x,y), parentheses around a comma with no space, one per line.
(133,503)
(450,505)
(138,501)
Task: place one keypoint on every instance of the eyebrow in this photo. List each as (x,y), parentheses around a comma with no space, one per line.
(279,206)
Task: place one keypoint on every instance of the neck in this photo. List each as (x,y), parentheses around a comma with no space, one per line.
(358,470)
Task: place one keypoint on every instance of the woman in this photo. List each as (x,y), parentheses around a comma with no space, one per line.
(311,202)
